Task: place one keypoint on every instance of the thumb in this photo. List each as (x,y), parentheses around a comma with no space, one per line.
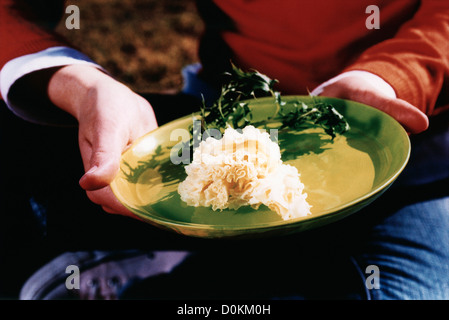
(103,169)
(410,117)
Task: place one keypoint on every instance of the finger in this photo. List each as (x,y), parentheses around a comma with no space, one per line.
(411,118)
(123,212)
(109,203)
(86,153)
(104,167)
(102,161)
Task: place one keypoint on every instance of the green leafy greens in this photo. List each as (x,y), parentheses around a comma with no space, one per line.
(232,108)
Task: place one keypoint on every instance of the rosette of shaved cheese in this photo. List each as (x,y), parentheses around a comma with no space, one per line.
(240,169)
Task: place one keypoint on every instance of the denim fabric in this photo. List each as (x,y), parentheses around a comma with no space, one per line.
(411,250)
(411,245)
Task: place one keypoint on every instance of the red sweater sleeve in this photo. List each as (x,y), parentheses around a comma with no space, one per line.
(416,60)
(25,27)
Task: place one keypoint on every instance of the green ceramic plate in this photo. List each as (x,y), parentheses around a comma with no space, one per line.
(340,176)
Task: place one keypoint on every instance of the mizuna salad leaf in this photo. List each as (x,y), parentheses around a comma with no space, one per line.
(232,109)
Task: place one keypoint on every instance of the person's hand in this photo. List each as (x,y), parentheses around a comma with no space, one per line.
(356,89)
(110,117)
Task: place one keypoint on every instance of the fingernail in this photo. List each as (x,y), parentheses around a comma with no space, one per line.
(85,179)
(92,169)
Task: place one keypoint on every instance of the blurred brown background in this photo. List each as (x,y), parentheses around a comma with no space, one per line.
(143,43)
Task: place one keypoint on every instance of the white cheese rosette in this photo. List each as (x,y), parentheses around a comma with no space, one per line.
(243,168)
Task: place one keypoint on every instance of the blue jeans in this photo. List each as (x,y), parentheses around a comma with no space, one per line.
(411,245)
(410,249)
